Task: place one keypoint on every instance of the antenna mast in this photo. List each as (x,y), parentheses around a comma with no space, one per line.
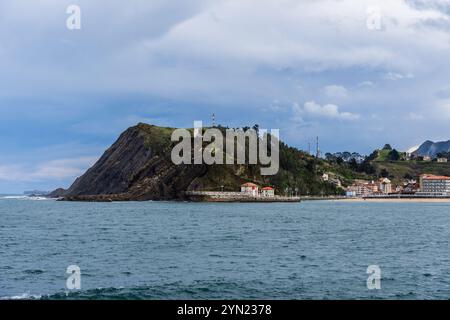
(317,148)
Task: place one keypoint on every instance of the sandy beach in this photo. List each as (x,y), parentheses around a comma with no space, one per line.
(410,200)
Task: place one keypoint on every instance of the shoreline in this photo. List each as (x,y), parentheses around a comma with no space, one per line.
(380,200)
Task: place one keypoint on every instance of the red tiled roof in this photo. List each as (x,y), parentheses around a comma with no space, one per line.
(249,184)
(433,177)
(267,188)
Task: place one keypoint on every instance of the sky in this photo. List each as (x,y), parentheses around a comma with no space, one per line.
(356,73)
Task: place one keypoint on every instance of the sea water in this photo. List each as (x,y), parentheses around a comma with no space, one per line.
(180,250)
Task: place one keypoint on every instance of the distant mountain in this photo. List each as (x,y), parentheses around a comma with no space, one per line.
(432,149)
(36,192)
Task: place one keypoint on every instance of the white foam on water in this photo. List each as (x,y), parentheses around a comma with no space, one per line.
(14,197)
(25,198)
(24,296)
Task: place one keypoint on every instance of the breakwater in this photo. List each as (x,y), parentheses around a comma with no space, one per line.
(212,196)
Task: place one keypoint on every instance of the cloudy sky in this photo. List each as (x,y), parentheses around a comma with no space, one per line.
(357,73)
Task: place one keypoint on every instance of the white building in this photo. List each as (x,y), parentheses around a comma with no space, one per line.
(250,188)
(268,192)
(350,194)
(385,186)
(434,185)
(358,190)
(442,160)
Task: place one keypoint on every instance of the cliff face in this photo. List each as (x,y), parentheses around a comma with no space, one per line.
(136,167)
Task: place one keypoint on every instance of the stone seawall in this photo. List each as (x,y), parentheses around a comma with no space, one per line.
(211,196)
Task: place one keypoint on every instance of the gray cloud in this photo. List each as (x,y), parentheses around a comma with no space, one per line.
(231,58)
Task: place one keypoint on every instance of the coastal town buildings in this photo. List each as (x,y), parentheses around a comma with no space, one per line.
(331,178)
(411,187)
(374,187)
(434,185)
(250,192)
(254,190)
(250,189)
(358,190)
(268,192)
(385,186)
(442,160)
(369,188)
(428,185)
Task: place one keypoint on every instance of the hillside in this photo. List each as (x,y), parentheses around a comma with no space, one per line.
(388,162)
(138,167)
(400,170)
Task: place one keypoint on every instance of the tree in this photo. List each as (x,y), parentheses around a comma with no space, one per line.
(384,173)
(329,157)
(394,155)
(372,156)
(353,164)
(387,146)
(367,168)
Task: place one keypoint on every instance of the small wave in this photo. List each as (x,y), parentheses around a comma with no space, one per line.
(211,289)
(14,197)
(24,296)
(25,198)
(34,271)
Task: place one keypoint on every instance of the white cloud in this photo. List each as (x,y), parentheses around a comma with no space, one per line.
(366,84)
(63,168)
(238,55)
(393,76)
(313,109)
(441,109)
(336,91)
(13,173)
(415,116)
(50,170)
(209,47)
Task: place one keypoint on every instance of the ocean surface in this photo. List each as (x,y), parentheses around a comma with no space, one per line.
(168,250)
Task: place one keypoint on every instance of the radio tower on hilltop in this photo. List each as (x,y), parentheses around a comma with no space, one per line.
(317,148)
(213,120)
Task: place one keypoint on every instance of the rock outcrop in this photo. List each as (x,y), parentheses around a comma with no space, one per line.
(136,167)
